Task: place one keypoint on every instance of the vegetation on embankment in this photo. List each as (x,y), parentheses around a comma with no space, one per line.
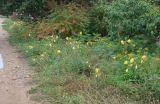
(104,54)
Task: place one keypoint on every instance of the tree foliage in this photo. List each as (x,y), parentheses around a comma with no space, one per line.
(126,18)
(8,6)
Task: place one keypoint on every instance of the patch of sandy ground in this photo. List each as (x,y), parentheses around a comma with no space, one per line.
(15,76)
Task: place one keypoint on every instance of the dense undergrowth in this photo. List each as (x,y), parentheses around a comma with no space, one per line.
(72,72)
(105,54)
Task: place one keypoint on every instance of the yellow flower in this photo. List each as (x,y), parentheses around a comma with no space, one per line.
(132,60)
(87,43)
(131,65)
(98,72)
(134,45)
(136,67)
(122,42)
(129,41)
(87,62)
(67,38)
(70,43)
(125,62)
(30,47)
(114,57)
(34,59)
(58,51)
(142,61)
(42,55)
(144,57)
(50,45)
(73,48)
(126,70)
(80,33)
(57,37)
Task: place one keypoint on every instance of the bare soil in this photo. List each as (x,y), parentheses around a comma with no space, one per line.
(15,77)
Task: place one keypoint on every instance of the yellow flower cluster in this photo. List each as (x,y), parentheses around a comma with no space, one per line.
(98,72)
(74,44)
(144,58)
(122,42)
(126,62)
(68,38)
(128,42)
(132,61)
(129,63)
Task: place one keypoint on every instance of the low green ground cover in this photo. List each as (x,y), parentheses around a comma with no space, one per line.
(99,71)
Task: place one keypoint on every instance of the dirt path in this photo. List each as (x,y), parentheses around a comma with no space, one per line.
(15,76)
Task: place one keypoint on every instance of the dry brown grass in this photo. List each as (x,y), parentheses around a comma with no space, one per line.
(44,30)
(73,86)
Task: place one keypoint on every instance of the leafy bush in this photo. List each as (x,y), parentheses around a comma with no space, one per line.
(34,8)
(126,18)
(156,2)
(98,22)
(26,8)
(64,22)
(9,6)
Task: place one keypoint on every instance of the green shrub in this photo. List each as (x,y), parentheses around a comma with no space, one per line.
(64,22)
(126,18)
(98,22)
(9,6)
(33,9)
(156,2)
